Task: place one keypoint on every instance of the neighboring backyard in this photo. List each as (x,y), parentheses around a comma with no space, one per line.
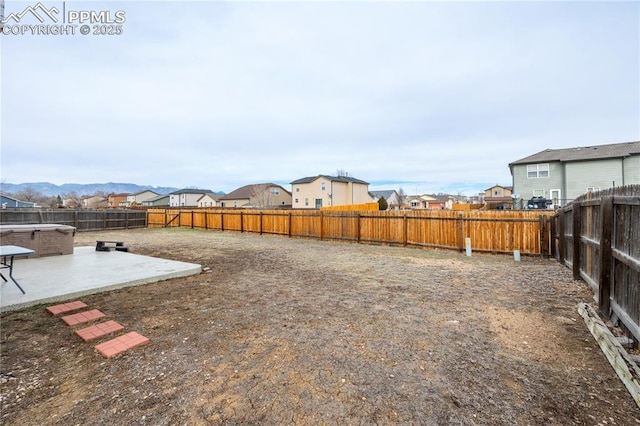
(293,331)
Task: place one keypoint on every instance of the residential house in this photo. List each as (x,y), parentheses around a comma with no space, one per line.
(187,197)
(498,197)
(561,175)
(392,198)
(139,197)
(9,201)
(323,190)
(159,201)
(420,202)
(115,200)
(261,195)
(93,202)
(209,200)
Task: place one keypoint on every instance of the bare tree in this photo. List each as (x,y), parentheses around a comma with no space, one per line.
(262,195)
(72,200)
(402,197)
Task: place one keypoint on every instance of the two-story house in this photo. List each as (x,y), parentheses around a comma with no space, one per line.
(498,197)
(260,195)
(323,191)
(116,200)
(139,197)
(187,197)
(561,175)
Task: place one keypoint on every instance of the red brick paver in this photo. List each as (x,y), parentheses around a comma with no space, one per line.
(96,331)
(120,344)
(66,307)
(82,317)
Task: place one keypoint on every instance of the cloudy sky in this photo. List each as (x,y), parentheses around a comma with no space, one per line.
(427,96)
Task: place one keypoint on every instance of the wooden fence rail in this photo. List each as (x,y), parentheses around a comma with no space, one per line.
(82,220)
(598,237)
(490,231)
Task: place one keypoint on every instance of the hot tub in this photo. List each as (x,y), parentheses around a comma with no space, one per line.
(44,239)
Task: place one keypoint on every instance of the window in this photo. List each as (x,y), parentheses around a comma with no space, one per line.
(275,191)
(306,201)
(535,171)
(538,192)
(593,189)
(297,189)
(324,186)
(296,201)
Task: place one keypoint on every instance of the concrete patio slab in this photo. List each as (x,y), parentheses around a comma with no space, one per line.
(86,271)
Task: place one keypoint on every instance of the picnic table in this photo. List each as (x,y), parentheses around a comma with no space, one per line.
(10,252)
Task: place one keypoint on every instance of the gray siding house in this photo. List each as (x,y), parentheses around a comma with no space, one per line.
(561,175)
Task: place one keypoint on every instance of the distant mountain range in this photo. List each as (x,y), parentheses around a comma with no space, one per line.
(52,190)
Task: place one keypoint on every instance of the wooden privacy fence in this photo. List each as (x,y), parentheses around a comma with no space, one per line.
(82,220)
(598,236)
(490,231)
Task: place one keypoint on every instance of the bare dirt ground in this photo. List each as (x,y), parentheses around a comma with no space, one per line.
(286,331)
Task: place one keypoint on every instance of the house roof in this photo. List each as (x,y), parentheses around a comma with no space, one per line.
(192,191)
(500,186)
(143,191)
(248,191)
(386,194)
(344,179)
(157,198)
(597,152)
(213,196)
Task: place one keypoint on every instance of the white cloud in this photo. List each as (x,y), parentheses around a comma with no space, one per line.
(218,94)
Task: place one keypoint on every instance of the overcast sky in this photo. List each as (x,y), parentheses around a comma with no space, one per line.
(427,96)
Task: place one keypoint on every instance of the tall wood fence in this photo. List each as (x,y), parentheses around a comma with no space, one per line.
(598,236)
(489,231)
(82,220)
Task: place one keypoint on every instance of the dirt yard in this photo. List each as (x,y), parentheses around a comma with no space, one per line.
(290,331)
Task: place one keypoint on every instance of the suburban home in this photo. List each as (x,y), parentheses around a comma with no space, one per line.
(116,200)
(392,198)
(209,200)
(561,175)
(324,191)
(159,201)
(420,202)
(260,195)
(93,202)
(187,197)
(139,197)
(9,201)
(498,197)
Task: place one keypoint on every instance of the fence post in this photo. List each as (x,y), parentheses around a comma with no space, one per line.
(358,224)
(260,222)
(290,215)
(222,220)
(544,237)
(321,224)
(206,219)
(561,240)
(405,226)
(577,229)
(606,255)
(241,222)
(75,219)
(192,216)
(461,243)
